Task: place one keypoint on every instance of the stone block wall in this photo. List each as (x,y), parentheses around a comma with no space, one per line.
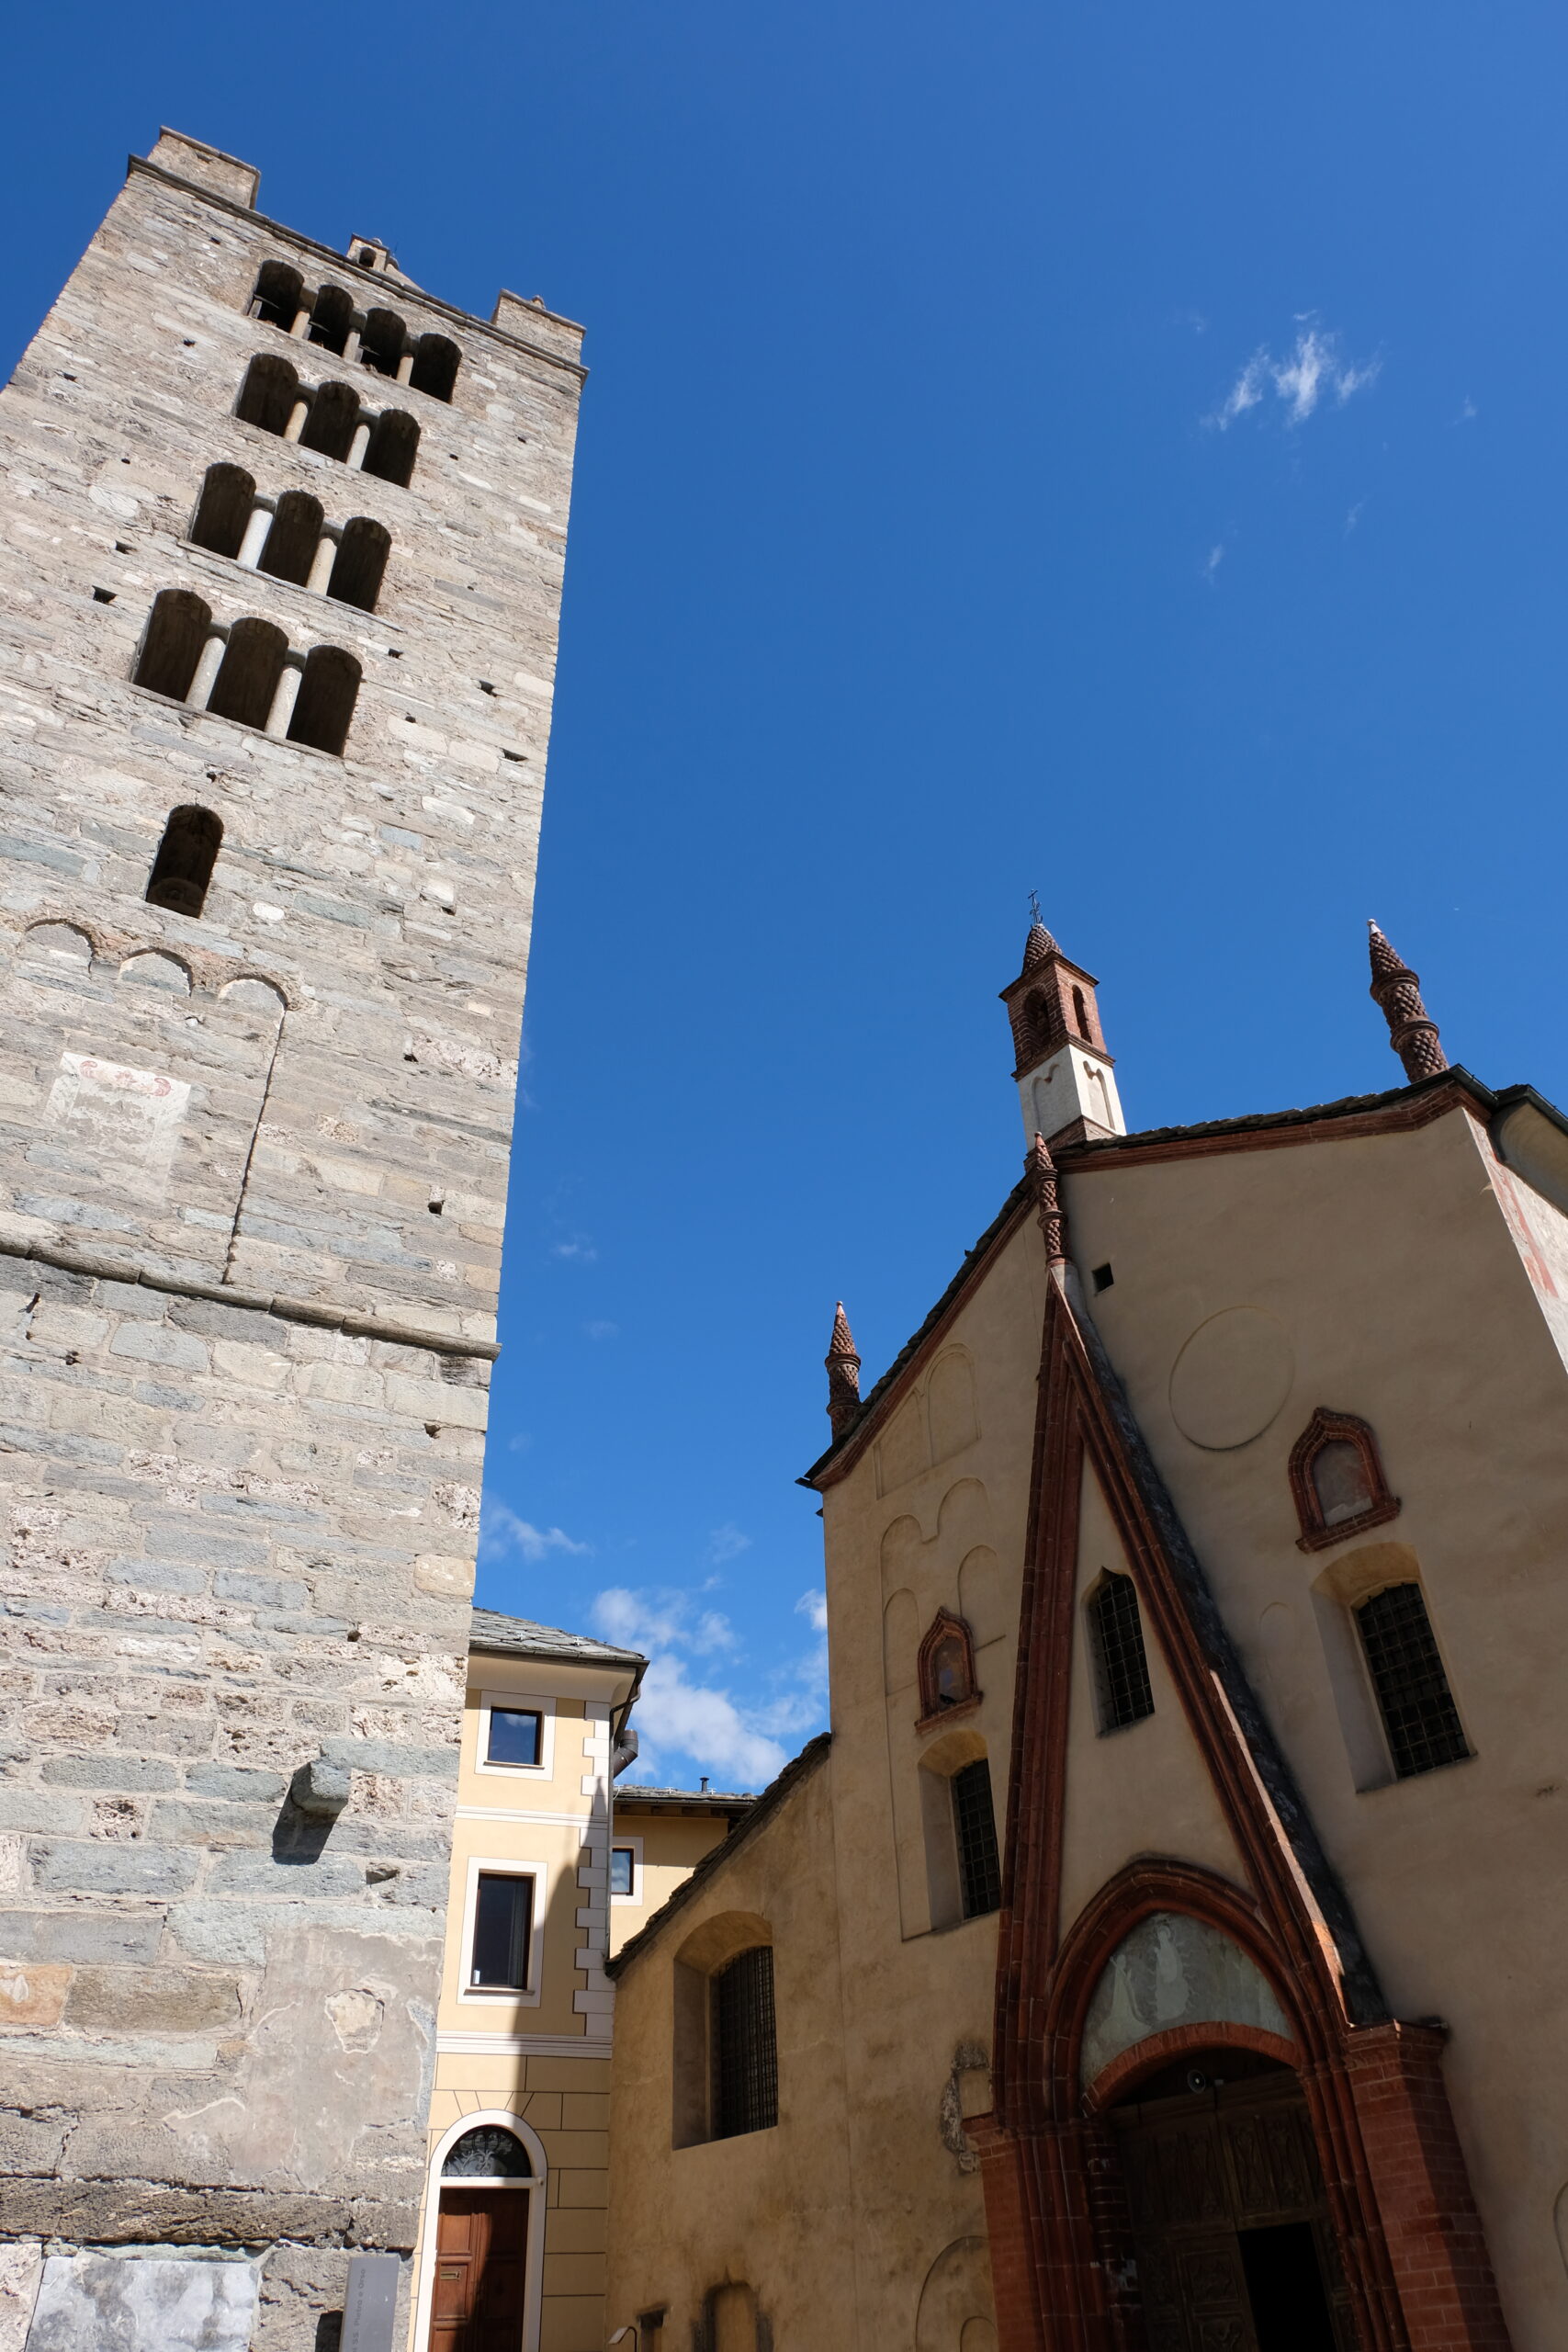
(252,1167)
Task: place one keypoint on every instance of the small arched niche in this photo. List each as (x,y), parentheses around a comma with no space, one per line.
(1172,1972)
(946,1670)
(255,995)
(950,1404)
(152,970)
(1336,1480)
(182,870)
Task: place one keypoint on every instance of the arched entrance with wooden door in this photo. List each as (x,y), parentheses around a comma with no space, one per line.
(482,2247)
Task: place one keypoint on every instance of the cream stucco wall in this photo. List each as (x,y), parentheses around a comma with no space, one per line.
(542,2058)
(668,1848)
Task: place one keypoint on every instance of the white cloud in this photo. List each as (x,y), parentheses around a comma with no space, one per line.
(657,1618)
(603,1331)
(684,1723)
(503,1535)
(726,1543)
(812,1607)
(579,1248)
(1311,372)
(1213,561)
(705,1724)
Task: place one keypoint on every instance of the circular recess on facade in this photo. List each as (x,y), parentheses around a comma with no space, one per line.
(1230,1378)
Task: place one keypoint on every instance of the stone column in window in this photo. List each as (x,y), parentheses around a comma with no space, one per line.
(405,367)
(322,562)
(359,445)
(297,415)
(286,694)
(301,326)
(255,540)
(209,662)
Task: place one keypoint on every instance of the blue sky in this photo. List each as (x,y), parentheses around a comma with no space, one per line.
(1114,451)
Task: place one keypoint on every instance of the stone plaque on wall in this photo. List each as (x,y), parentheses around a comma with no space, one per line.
(143,2303)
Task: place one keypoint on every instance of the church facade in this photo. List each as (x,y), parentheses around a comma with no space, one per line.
(1160,1952)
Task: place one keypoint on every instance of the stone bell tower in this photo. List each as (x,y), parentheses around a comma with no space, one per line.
(280,575)
(1067,1080)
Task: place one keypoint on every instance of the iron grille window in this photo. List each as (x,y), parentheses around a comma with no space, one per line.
(745,2045)
(503,1922)
(1122,1671)
(1418,1711)
(975,1821)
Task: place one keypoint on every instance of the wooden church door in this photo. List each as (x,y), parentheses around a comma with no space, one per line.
(1230,2220)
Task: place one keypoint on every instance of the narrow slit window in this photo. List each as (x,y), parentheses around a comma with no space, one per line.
(292,541)
(381,341)
(974,1825)
(745,2045)
(504,1924)
(182,870)
(515,1735)
(332,320)
(248,673)
(360,563)
(329,428)
(623,1869)
(1413,1699)
(1121,1668)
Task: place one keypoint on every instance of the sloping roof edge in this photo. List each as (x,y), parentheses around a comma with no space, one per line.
(799,1768)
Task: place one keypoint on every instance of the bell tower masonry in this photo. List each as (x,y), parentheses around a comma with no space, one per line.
(1067,1080)
(280,576)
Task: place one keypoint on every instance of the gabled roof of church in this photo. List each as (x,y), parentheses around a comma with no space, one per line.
(1401,1107)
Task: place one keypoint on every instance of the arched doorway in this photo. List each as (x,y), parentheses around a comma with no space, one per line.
(1227,2210)
(482,2243)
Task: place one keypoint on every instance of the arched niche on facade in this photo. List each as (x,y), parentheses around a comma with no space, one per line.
(950,1404)
(980,1594)
(1336,1480)
(1171,1977)
(947,1681)
(901,1640)
(956,2297)
(59,946)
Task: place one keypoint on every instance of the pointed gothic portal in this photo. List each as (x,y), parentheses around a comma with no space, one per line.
(1067,1080)
(1207,2130)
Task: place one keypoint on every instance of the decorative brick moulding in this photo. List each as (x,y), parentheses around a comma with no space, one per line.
(1335,1463)
(946,1672)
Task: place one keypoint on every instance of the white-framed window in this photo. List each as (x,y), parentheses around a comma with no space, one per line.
(625,1870)
(516,1735)
(502,1955)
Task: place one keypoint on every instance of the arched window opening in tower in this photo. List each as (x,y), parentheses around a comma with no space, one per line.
(435,364)
(292,541)
(228,494)
(1120,1666)
(1412,1694)
(268,393)
(394,439)
(248,673)
(171,646)
(327,695)
(332,320)
(279,295)
(329,428)
(361,563)
(182,870)
(381,341)
(1081,1013)
(974,1827)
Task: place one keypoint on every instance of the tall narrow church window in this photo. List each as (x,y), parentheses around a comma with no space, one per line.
(186,856)
(1418,1707)
(975,1827)
(1121,1668)
(745,2045)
